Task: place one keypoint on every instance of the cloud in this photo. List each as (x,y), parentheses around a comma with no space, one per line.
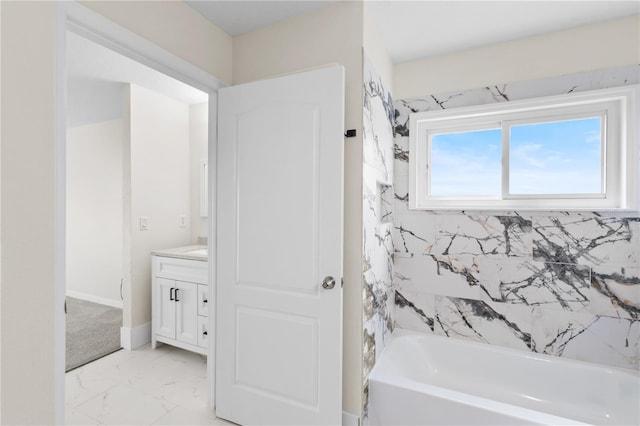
(592,137)
(557,181)
(529,153)
(465,172)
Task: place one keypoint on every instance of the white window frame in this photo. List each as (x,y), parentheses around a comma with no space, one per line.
(617,109)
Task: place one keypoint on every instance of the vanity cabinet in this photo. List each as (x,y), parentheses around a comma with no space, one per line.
(180,303)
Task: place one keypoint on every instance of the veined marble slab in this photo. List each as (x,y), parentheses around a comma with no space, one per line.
(561,283)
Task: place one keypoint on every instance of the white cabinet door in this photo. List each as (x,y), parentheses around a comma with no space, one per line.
(186,302)
(203,331)
(165,320)
(203,300)
(280,195)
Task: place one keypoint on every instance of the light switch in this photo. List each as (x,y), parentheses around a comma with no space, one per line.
(144,223)
(183,221)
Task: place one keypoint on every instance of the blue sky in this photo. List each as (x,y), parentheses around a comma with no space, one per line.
(466,163)
(550,158)
(556,158)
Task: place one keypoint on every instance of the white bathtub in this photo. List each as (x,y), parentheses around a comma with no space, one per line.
(431,380)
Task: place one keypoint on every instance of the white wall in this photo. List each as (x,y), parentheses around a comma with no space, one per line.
(27,212)
(591,47)
(329,35)
(95,212)
(198,135)
(375,50)
(0,209)
(28,179)
(82,107)
(176,27)
(160,187)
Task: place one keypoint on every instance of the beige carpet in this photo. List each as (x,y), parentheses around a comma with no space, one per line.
(93,331)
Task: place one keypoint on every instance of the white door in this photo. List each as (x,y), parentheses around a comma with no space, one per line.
(280,197)
(165,308)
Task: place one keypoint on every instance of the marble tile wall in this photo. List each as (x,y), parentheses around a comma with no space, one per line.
(558,283)
(377,273)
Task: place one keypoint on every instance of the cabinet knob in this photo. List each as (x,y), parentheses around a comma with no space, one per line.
(204,301)
(204,333)
(171,293)
(177,300)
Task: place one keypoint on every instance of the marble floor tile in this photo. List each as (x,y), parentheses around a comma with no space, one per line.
(82,384)
(184,416)
(189,392)
(164,372)
(122,405)
(147,386)
(74,418)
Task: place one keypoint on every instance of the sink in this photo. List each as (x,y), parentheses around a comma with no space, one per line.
(199,251)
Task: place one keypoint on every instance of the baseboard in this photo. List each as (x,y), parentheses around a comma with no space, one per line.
(133,338)
(349,419)
(95,299)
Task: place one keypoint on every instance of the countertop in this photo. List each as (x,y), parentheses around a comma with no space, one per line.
(186,252)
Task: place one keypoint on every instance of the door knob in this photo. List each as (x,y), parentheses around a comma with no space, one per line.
(328,283)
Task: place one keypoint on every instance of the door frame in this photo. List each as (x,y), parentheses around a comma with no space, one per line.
(71,16)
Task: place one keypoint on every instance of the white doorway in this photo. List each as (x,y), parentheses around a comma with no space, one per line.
(98,29)
(79,21)
(136,142)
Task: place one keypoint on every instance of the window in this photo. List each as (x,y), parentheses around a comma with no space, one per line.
(568,152)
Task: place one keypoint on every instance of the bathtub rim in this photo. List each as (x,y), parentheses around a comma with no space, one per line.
(401,332)
(399,380)
(475,401)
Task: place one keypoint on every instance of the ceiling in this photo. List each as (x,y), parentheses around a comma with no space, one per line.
(417,29)
(237,17)
(409,29)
